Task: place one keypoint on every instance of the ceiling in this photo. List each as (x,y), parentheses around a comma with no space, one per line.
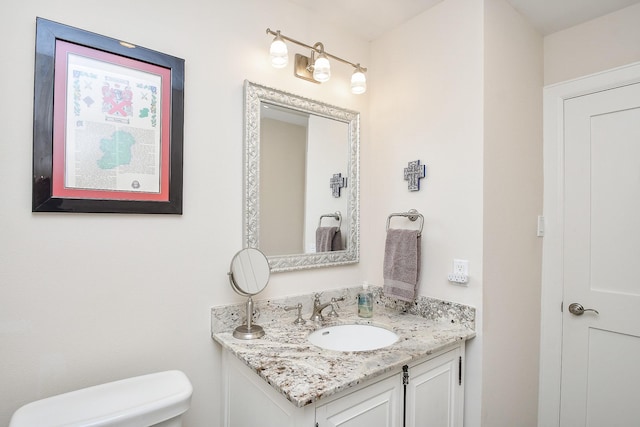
(372,18)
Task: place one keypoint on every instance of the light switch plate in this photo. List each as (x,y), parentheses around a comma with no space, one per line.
(540,230)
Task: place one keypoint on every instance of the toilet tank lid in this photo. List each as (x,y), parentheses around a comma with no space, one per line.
(143,400)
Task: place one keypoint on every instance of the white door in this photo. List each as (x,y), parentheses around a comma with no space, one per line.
(601,253)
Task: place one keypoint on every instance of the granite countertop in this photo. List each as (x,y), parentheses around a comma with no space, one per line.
(304,373)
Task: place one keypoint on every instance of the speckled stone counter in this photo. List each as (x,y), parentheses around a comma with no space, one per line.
(304,373)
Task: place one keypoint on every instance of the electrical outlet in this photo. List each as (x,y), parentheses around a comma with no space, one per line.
(460,272)
(461,266)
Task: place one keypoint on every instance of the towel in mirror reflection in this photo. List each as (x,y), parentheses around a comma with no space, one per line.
(328,239)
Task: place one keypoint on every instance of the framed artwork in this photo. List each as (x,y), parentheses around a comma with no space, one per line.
(108,125)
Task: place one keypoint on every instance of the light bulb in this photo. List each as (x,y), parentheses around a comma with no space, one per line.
(322,68)
(278,52)
(358,82)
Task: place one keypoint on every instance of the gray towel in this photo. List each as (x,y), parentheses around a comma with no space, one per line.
(401,267)
(328,239)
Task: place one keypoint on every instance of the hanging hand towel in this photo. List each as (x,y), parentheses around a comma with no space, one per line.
(336,242)
(401,267)
(328,239)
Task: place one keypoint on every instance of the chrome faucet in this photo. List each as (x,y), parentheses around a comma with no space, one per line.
(316,316)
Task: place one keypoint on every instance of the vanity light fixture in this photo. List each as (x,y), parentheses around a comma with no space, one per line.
(321,66)
(315,68)
(358,81)
(278,52)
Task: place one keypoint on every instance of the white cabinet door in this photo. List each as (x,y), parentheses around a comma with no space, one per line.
(435,392)
(378,405)
(249,401)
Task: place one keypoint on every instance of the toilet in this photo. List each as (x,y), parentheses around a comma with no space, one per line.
(158,399)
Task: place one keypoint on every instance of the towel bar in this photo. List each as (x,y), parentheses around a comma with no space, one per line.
(337,216)
(412,214)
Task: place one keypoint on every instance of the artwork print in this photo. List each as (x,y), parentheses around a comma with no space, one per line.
(112,129)
(108,125)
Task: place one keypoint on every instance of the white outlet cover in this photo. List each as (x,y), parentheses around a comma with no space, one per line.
(458,278)
(461,266)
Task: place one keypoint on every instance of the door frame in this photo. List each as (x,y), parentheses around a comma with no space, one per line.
(552,262)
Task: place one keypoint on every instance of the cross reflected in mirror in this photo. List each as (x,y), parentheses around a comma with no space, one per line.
(336,183)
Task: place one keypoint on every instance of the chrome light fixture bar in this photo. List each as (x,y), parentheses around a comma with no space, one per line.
(315,68)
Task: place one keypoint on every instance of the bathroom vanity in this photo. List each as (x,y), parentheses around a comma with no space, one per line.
(282,379)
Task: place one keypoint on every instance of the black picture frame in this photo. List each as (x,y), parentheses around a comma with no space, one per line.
(51,136)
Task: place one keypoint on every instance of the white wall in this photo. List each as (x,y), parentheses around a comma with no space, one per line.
(327,154)
(87,298)
(462,93)
(428,107)
(512,201)
(607,42)
(283,156)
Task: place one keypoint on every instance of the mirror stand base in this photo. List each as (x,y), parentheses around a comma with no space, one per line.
(244,332)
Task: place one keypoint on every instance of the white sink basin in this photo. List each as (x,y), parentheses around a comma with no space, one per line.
(352,338)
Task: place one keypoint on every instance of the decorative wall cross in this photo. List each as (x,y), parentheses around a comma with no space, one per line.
(336,183)
(413,173)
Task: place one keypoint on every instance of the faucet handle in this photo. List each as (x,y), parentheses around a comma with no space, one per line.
(299,320)
(316,300)
(334,304)
(334,301)
(333,312)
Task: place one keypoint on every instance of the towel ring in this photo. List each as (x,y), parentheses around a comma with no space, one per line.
(412,215)
(337,216)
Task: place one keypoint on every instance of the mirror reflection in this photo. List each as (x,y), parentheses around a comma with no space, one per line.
(299,155)
(301,180)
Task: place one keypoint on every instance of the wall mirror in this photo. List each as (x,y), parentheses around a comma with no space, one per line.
(301,174)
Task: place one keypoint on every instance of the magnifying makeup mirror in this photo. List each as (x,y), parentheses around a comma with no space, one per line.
(249,275)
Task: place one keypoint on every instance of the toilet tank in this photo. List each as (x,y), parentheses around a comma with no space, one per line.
(146,400)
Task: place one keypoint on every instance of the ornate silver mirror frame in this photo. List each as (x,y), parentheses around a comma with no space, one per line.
(254,95)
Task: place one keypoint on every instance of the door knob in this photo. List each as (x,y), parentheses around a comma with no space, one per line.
(578,309)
